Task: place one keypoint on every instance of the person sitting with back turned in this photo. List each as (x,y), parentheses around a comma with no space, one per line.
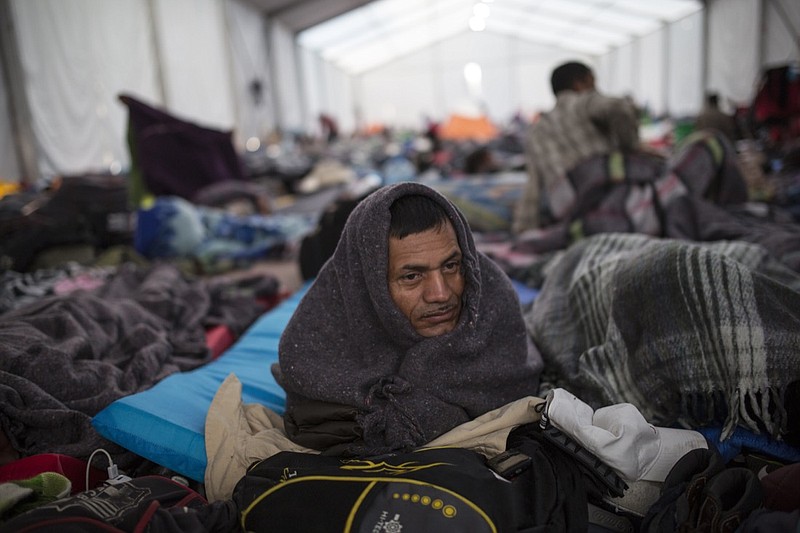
(407,332)
(583,123)
(714,118)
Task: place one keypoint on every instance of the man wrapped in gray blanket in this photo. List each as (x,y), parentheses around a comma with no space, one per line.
(407,332)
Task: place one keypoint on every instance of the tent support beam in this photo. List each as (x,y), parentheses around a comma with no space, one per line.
(162,89)
(19,109)
(273,75)
(787,21)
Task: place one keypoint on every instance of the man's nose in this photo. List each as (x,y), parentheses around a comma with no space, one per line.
(436,288)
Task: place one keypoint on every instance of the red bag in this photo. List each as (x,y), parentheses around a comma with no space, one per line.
(70,467)
(776,106)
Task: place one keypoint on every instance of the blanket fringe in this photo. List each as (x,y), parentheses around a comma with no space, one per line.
(757,410)
(732,420)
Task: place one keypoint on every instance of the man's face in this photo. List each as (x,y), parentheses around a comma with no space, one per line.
(425,279)
(584,84)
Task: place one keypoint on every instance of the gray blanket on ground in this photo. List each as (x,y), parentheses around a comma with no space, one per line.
(64,358)
(348,343)
(692,334)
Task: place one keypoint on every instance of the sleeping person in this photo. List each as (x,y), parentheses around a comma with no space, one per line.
(406,332)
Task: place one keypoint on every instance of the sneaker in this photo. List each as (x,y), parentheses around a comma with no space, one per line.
(682,492)
(728,499)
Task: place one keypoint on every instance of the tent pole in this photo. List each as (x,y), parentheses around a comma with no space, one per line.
(238,130)
(438,84)
(19,109)
(762,25)
(273,74)
(704,56)
(162,88)
(667,69)
(787,21)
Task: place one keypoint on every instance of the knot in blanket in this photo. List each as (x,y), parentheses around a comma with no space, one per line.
(387,388)
(391,419)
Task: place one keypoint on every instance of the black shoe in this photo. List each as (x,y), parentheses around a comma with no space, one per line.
(728,499)
(682,492)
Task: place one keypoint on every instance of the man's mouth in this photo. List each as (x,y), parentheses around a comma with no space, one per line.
(444,314)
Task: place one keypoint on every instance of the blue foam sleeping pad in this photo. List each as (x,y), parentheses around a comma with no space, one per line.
(166,423)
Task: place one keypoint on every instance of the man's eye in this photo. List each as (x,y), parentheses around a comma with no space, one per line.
(411,276)
(452,266)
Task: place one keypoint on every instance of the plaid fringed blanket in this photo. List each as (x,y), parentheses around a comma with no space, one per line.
(692,334)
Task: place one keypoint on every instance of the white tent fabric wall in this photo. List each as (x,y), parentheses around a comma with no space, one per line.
(311,66)
(734,70)
(400,92)
(532,74)
(337,92)
(285,61)
(326,89)
(430,83)
(730,23)
(255,116)
(73,72)
(685,66)
(473,47)
(650,92)
(78,56)
(493,94)
(783,21)
(619,77)
(661,70)
(359,43)
(9,168)
(516,75)
(637,70)
(195,61)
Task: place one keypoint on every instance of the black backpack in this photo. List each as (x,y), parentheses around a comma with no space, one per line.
(543,483)
(436,490)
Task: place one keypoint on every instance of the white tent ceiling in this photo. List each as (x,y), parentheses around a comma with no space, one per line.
(298,15)
(377,32)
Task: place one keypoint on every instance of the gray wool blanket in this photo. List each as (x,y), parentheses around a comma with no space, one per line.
(692,334)
(64,358)
(347,343)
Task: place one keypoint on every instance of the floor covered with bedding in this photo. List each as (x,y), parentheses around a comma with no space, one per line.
(139,341)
